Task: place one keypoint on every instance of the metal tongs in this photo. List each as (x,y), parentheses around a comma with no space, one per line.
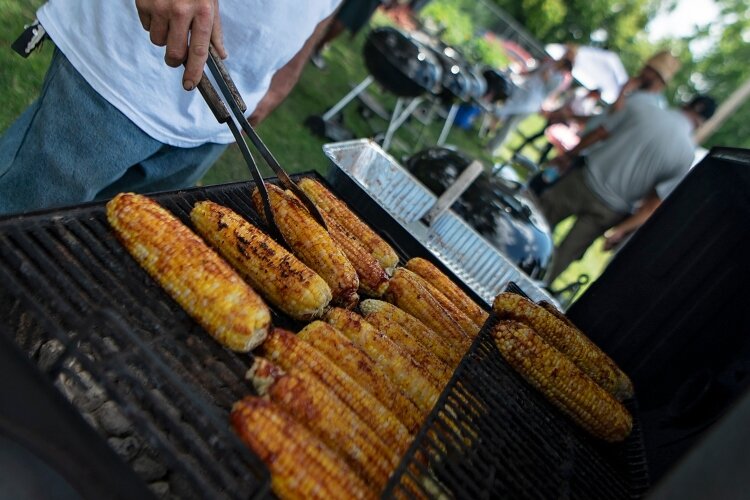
(237,106)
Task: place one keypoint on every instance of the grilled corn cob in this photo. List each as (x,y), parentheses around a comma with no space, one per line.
(571,342)
(359,366)
(416,329)
(337,209)
(436,278)
(312,244)
(467,325)
(562,382)
(554,311)
(301,465)
(303,395)
(274,272)
(403,371)
(206,287)
(408,294)
(438,372)
(373,279)
(291,353)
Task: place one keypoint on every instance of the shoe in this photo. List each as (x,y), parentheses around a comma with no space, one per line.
(317,60)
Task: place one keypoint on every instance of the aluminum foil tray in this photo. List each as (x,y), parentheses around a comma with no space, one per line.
(450,239)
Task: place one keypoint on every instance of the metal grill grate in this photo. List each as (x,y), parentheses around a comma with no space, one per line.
(141,371)
(148,378)
(491,435)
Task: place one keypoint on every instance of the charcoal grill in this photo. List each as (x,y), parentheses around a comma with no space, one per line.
(138,369)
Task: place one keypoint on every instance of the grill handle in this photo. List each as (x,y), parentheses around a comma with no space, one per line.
(453,192)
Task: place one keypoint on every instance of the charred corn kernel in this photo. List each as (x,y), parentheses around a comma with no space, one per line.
(436,278)
(403,371)
(337,209)
(554,311)
(301,465)
(359,366)
(571,342)
(312,244)
(424,335)
(562,382)
(373,279)
(438,372)
(624,387)
(278,275)
(303,395)
(289,352)
(467,325)
(206,287)
(408,294)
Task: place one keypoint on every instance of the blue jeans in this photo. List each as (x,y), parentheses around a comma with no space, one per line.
(71,146)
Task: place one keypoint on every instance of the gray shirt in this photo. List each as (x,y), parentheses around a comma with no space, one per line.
(648,148)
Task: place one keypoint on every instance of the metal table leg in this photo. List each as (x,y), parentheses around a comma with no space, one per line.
(448,124)
(348,98)
(399,116)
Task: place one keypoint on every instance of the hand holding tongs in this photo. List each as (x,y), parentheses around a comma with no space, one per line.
(232,97)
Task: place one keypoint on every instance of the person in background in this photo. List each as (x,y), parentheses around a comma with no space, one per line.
(352,16)
(647,88)
(624,178)
(564,123)
(545,82)
(112,116)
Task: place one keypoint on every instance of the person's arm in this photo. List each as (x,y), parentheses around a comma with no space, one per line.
(186,27)
(616,234)
(563,161)
(286,77)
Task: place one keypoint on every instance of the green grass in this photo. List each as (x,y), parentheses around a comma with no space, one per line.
(20,78)
(284,133)
(592,264)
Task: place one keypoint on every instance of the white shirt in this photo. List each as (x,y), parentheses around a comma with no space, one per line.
(648,148)
(528,97)
(105,42)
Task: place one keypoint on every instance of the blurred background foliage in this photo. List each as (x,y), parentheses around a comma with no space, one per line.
(713,57)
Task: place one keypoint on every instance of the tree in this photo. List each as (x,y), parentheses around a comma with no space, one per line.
(610,23)
(620,25)
(723,69)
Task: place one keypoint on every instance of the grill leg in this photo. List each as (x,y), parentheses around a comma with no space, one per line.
(428,120)
(348,98)
(448,124)
(399,116)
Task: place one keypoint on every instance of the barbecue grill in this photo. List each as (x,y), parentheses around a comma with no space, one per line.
(501,211)
(157,389)
(402,65)
(413,67)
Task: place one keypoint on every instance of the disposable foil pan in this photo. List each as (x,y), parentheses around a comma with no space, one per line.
(451,240)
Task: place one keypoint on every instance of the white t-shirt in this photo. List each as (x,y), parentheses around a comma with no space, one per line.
(105,42)
(648,148)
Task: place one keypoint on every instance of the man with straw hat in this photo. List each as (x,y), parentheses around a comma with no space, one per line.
(628,164)
(643,90)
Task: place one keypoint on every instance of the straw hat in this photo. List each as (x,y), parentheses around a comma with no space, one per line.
(665,65)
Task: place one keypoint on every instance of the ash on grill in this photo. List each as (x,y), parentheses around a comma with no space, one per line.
(179,448)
